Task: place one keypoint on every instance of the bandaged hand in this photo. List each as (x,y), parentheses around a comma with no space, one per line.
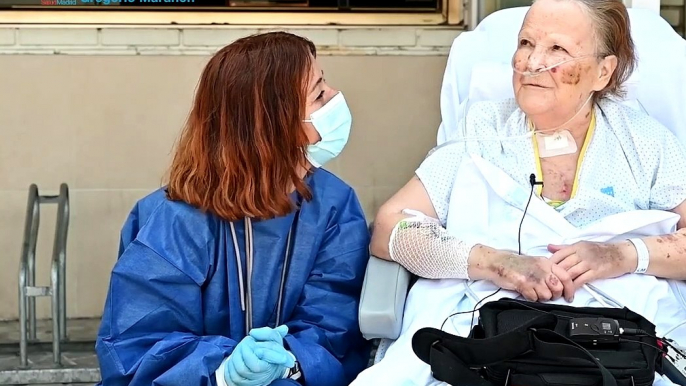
(259,358)
(535,278)
(424,247)
(587,261)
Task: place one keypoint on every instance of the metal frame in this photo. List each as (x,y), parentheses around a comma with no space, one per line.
(450,14)
(474,10)
(471,14)
(28,290)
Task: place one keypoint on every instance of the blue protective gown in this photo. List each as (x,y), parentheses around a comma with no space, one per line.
(173,311)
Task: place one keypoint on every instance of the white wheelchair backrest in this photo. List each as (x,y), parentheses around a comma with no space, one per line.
(479,68)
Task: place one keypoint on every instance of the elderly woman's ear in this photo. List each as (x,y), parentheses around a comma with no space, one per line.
(606,69)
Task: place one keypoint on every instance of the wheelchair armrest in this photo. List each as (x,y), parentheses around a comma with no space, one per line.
(383,299)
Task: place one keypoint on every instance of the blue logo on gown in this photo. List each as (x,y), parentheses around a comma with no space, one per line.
(610,191)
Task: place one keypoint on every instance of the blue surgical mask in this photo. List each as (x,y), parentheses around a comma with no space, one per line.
(333,122)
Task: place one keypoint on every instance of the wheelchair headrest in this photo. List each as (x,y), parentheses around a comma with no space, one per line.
(479,66)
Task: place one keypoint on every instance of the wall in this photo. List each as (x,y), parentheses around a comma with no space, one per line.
(100,109)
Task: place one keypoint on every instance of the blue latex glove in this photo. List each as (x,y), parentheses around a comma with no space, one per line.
(259,363)
(266,334)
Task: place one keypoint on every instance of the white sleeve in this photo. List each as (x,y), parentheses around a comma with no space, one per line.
(437,174)
(669,180)
(219,374)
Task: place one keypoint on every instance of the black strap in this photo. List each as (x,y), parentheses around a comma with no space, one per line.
(608,379)
(447,367)
(452,357)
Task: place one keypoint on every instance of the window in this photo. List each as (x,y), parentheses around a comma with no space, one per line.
(675,14)
(674,11)
(284,5)
(483,8)
(274,12)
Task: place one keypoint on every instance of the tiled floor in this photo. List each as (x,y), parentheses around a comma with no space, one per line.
(79,363)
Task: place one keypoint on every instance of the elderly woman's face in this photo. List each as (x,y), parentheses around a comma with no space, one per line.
(553,32)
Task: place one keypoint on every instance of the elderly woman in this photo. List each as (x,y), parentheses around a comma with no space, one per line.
(555,139)
(573,56)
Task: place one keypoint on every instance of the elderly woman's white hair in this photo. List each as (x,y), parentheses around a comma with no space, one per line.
(612,32)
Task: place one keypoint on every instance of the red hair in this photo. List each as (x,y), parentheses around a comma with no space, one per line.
(243,147)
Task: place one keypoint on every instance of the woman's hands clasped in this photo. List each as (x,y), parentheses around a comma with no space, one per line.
(568,269)
(586,261)
(259,358)
(536,278)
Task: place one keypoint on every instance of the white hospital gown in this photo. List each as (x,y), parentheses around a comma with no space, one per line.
(634,161)
(631,163)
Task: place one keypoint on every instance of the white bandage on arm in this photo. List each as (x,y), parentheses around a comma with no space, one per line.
(424,247)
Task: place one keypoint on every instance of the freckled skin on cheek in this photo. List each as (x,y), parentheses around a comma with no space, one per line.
(520,64)
(571,76)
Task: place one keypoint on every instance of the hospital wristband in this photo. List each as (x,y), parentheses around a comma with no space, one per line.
(642,254)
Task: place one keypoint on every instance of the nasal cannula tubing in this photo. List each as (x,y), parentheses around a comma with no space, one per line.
(542,70)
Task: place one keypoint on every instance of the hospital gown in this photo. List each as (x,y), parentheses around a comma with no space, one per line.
(173,311)
(632,171)
(632,161)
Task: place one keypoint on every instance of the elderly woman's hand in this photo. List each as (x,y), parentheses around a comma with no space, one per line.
(536,278)
(586,261)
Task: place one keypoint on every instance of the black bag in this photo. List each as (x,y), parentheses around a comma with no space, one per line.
(521,343)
